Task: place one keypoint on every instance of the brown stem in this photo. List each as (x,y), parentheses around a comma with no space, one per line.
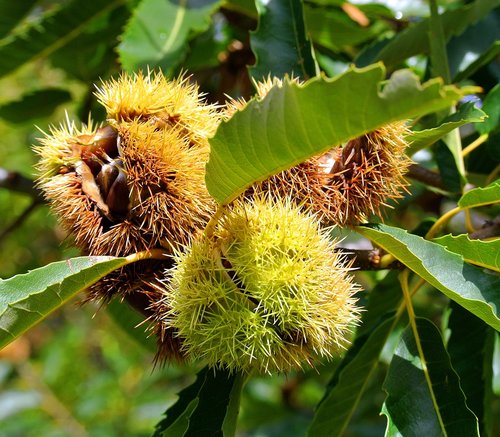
(368,259)
(425,176)
(490,229)
(15,181)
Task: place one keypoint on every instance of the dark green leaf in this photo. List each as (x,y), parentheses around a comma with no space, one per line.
(481,196)
(11,13)
(337,407)
(208,407)
(293,123)
(481,253)
(423,392)
(448,168)
(158,32)
(38,104)
(132,323)
(91,55)
(470,347)
(467,113)
(53,32)
(280,43)
(467,285)
(483,59)
(491,106)
(414,40)
(335,30)
(27,299)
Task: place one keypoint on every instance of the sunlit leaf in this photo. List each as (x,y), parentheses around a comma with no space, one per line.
(467,113)
(293,123)
(158,33)
(478,252)
(28,298)
(423,392)
(467,285)
(53,32)
(481,196)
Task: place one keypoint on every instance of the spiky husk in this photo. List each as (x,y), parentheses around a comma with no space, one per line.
(268,291)
(349,183)
(151,98)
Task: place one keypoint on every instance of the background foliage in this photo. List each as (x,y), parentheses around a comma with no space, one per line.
(88,371)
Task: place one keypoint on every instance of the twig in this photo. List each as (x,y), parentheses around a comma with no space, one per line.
(15,181)
(425,176)
(489,230)
(368,259)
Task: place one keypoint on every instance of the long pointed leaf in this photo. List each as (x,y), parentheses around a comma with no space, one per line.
(27,299)
(481,196)
(424,396)
(293,123)
(467,285)
(481,253)
(336,409)
(11,13)
(54,31)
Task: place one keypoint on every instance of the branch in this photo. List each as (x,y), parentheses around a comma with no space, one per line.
(369,259)
(425,176)
(15,181)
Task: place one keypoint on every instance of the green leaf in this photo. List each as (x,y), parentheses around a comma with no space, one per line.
(337,407)
(35,105)
(53,32)
(335,30)
(158,33)
(131,322)
(470,346)
(27,299)
(11,13)
(423,392)
(294,122)
(91,55)
(491,106)
(483,59)
(467,285)
(414,40)
(481,253)
(208,407)
(280,43)
(481,196)
(467,113)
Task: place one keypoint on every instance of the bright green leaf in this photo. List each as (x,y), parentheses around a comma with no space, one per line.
(467,285)
(11,13)
(53,32)
(467,113)
(414,40)
(35,105)
(336,409)
(158,33)
(423,392)
(293,122)
(280,43)
(481,196)
(28,298)
(481,253)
